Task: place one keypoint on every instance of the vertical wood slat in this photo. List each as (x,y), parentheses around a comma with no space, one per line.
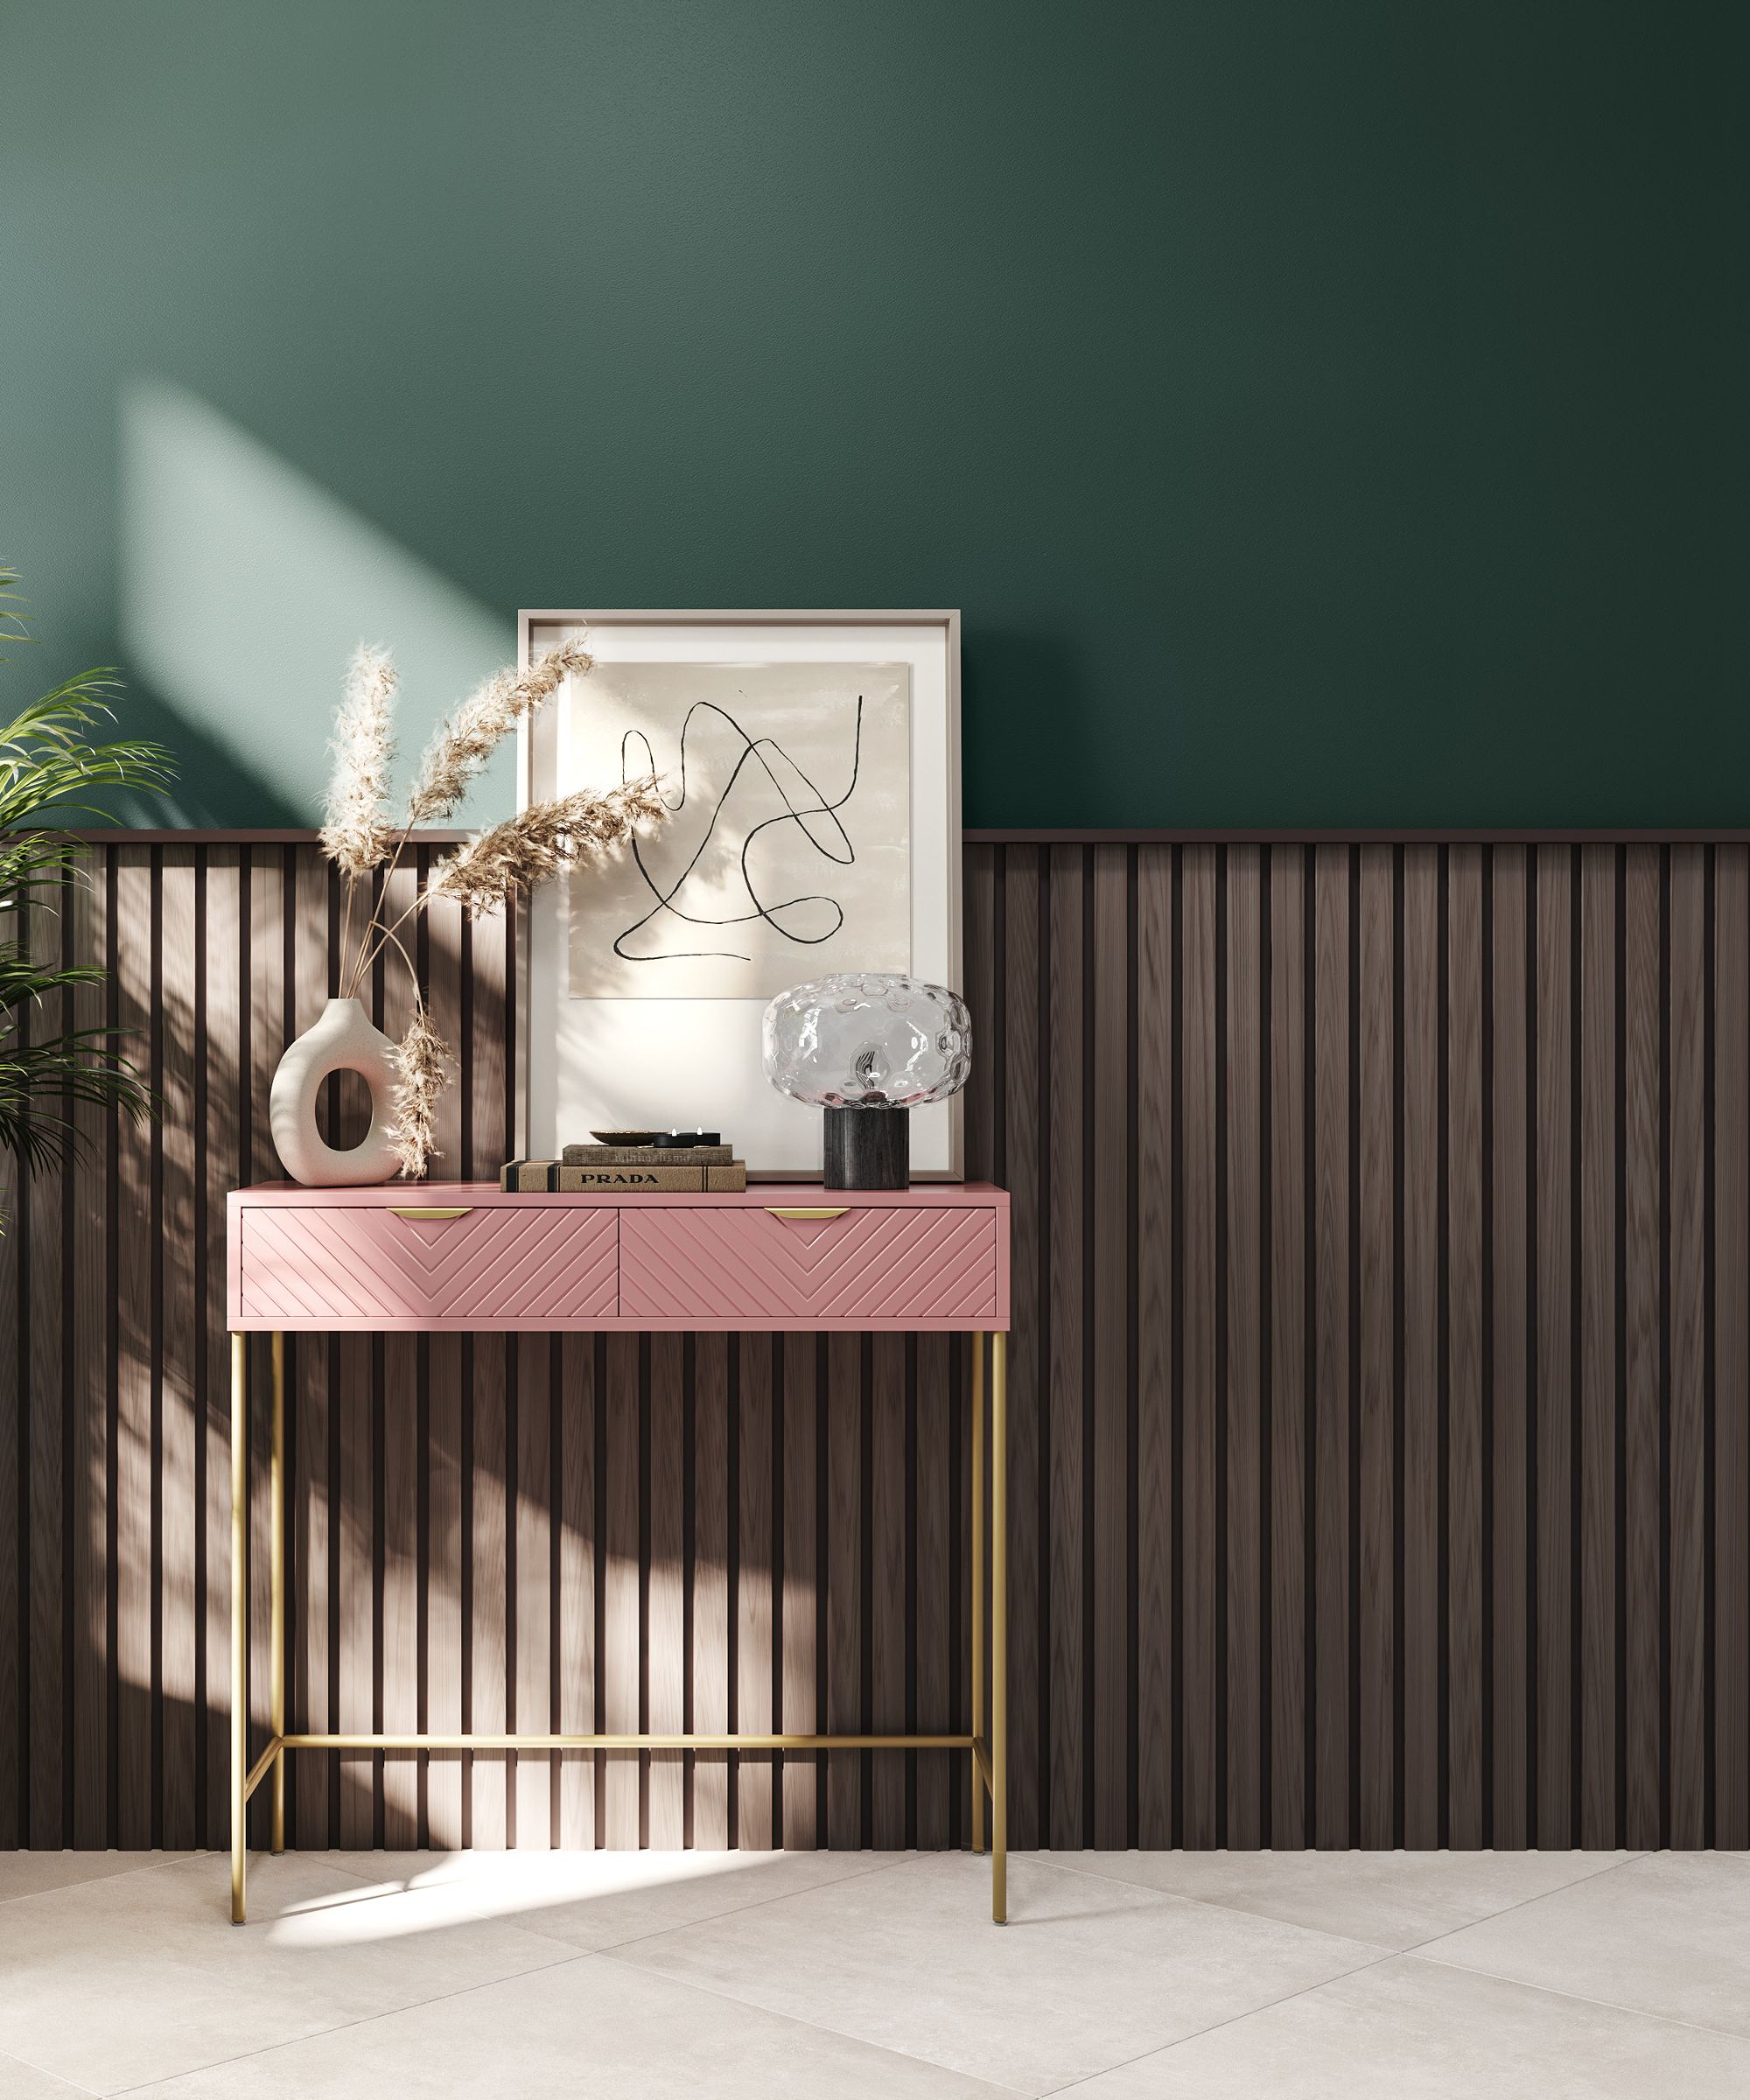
(401,1461)
(442,948)
(665,1553)
(1109,1230)
(936,1679)
(711,1601)
(178,1511)
(1462,1694)
(1334,1681)
(1685,1513)
(1246,1451)
(804,1711)
(1599,1595)
(1069,1662)
(1199,1589)
(1157,955)
(1638,1313)
(845,1589)
(38,1566)
(222,1056)
(1552,1436)
(133,1348)
(1419,1399)
(1512,1080)
(1029,1463)
(753,1601)
(1379,1283)
(1507,1750)
(1290,1516)
(1729,1458)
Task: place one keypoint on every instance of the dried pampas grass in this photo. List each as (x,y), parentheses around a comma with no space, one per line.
(359,838)
(425,1059)
(357,834)
(480,724)
(514,856)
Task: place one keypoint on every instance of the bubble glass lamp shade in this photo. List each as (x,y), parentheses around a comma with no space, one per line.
(867,1050)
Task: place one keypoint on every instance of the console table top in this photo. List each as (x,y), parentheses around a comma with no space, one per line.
(761,1196)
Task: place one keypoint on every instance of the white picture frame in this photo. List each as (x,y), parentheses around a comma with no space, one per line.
(631,1063)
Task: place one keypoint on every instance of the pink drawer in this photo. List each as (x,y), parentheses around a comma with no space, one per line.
(361,1266)
(918,1266)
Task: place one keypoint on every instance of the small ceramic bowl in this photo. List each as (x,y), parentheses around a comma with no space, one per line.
(624,1136)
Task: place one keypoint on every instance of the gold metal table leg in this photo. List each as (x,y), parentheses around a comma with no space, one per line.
(999,1628)
(240,1613)
(990,1626)
(276,1592)
(977,1583)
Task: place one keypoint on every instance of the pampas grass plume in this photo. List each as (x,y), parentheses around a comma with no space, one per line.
(424,1059)
(357,834)
(512,858)
(454,760)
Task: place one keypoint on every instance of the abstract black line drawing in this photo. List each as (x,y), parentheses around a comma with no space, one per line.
(637,759)
(788,852)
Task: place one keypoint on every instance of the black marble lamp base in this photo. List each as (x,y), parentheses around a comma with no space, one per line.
(868,1148)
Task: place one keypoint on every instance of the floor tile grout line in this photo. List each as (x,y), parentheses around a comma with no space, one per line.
(346,2027)
(148,1865)
(1524,1903)
(1381,1954)
(578,1956)
(1230,1910)
(1576,1997)
(56,2077)
(1236,1910)
(786,1895)
(817,2026)
(1233,2021)
(1582,1998)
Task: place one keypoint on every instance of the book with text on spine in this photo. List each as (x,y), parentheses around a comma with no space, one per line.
(648,1155)
(552,1177)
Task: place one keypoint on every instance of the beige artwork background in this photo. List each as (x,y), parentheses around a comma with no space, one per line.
(778,766)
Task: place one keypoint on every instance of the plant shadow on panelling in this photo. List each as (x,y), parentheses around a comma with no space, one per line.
(491,1532)
(1379,1386)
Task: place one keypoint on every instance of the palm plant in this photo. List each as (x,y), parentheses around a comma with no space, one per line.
(49,767)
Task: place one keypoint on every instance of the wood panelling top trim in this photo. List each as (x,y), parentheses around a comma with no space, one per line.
(1363,836)
(1012,834)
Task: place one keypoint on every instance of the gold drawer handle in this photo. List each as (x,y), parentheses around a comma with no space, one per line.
(394,1213)
(771,1213)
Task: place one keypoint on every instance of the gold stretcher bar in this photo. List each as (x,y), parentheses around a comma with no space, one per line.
(622,1742)
(989,1632)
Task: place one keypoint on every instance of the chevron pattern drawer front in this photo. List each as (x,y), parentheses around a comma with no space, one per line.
(914,1267)
(360,1266)
(469,1257)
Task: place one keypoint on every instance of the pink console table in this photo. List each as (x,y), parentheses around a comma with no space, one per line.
(463,1256)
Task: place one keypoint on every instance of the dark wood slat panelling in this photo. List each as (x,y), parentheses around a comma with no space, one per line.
(1380,1383)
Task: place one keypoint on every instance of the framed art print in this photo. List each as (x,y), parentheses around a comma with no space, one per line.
(810,766)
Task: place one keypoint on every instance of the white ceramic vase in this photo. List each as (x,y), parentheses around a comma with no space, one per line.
(343,1040)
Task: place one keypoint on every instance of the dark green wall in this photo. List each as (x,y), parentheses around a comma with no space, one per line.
(1325,413)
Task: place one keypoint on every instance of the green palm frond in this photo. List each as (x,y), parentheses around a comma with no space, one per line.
(49,765)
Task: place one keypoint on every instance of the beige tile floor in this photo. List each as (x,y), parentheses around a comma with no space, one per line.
(1123,1976)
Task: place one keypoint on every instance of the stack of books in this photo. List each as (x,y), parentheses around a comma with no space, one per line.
(626,1169)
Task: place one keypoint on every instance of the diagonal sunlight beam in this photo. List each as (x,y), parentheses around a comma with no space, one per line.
(244,587)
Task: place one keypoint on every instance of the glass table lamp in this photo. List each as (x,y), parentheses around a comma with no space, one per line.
(867,1050)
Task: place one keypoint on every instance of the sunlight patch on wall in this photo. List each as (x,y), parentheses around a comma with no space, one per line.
(245,586)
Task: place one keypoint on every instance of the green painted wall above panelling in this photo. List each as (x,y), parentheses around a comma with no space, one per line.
(1324,413)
